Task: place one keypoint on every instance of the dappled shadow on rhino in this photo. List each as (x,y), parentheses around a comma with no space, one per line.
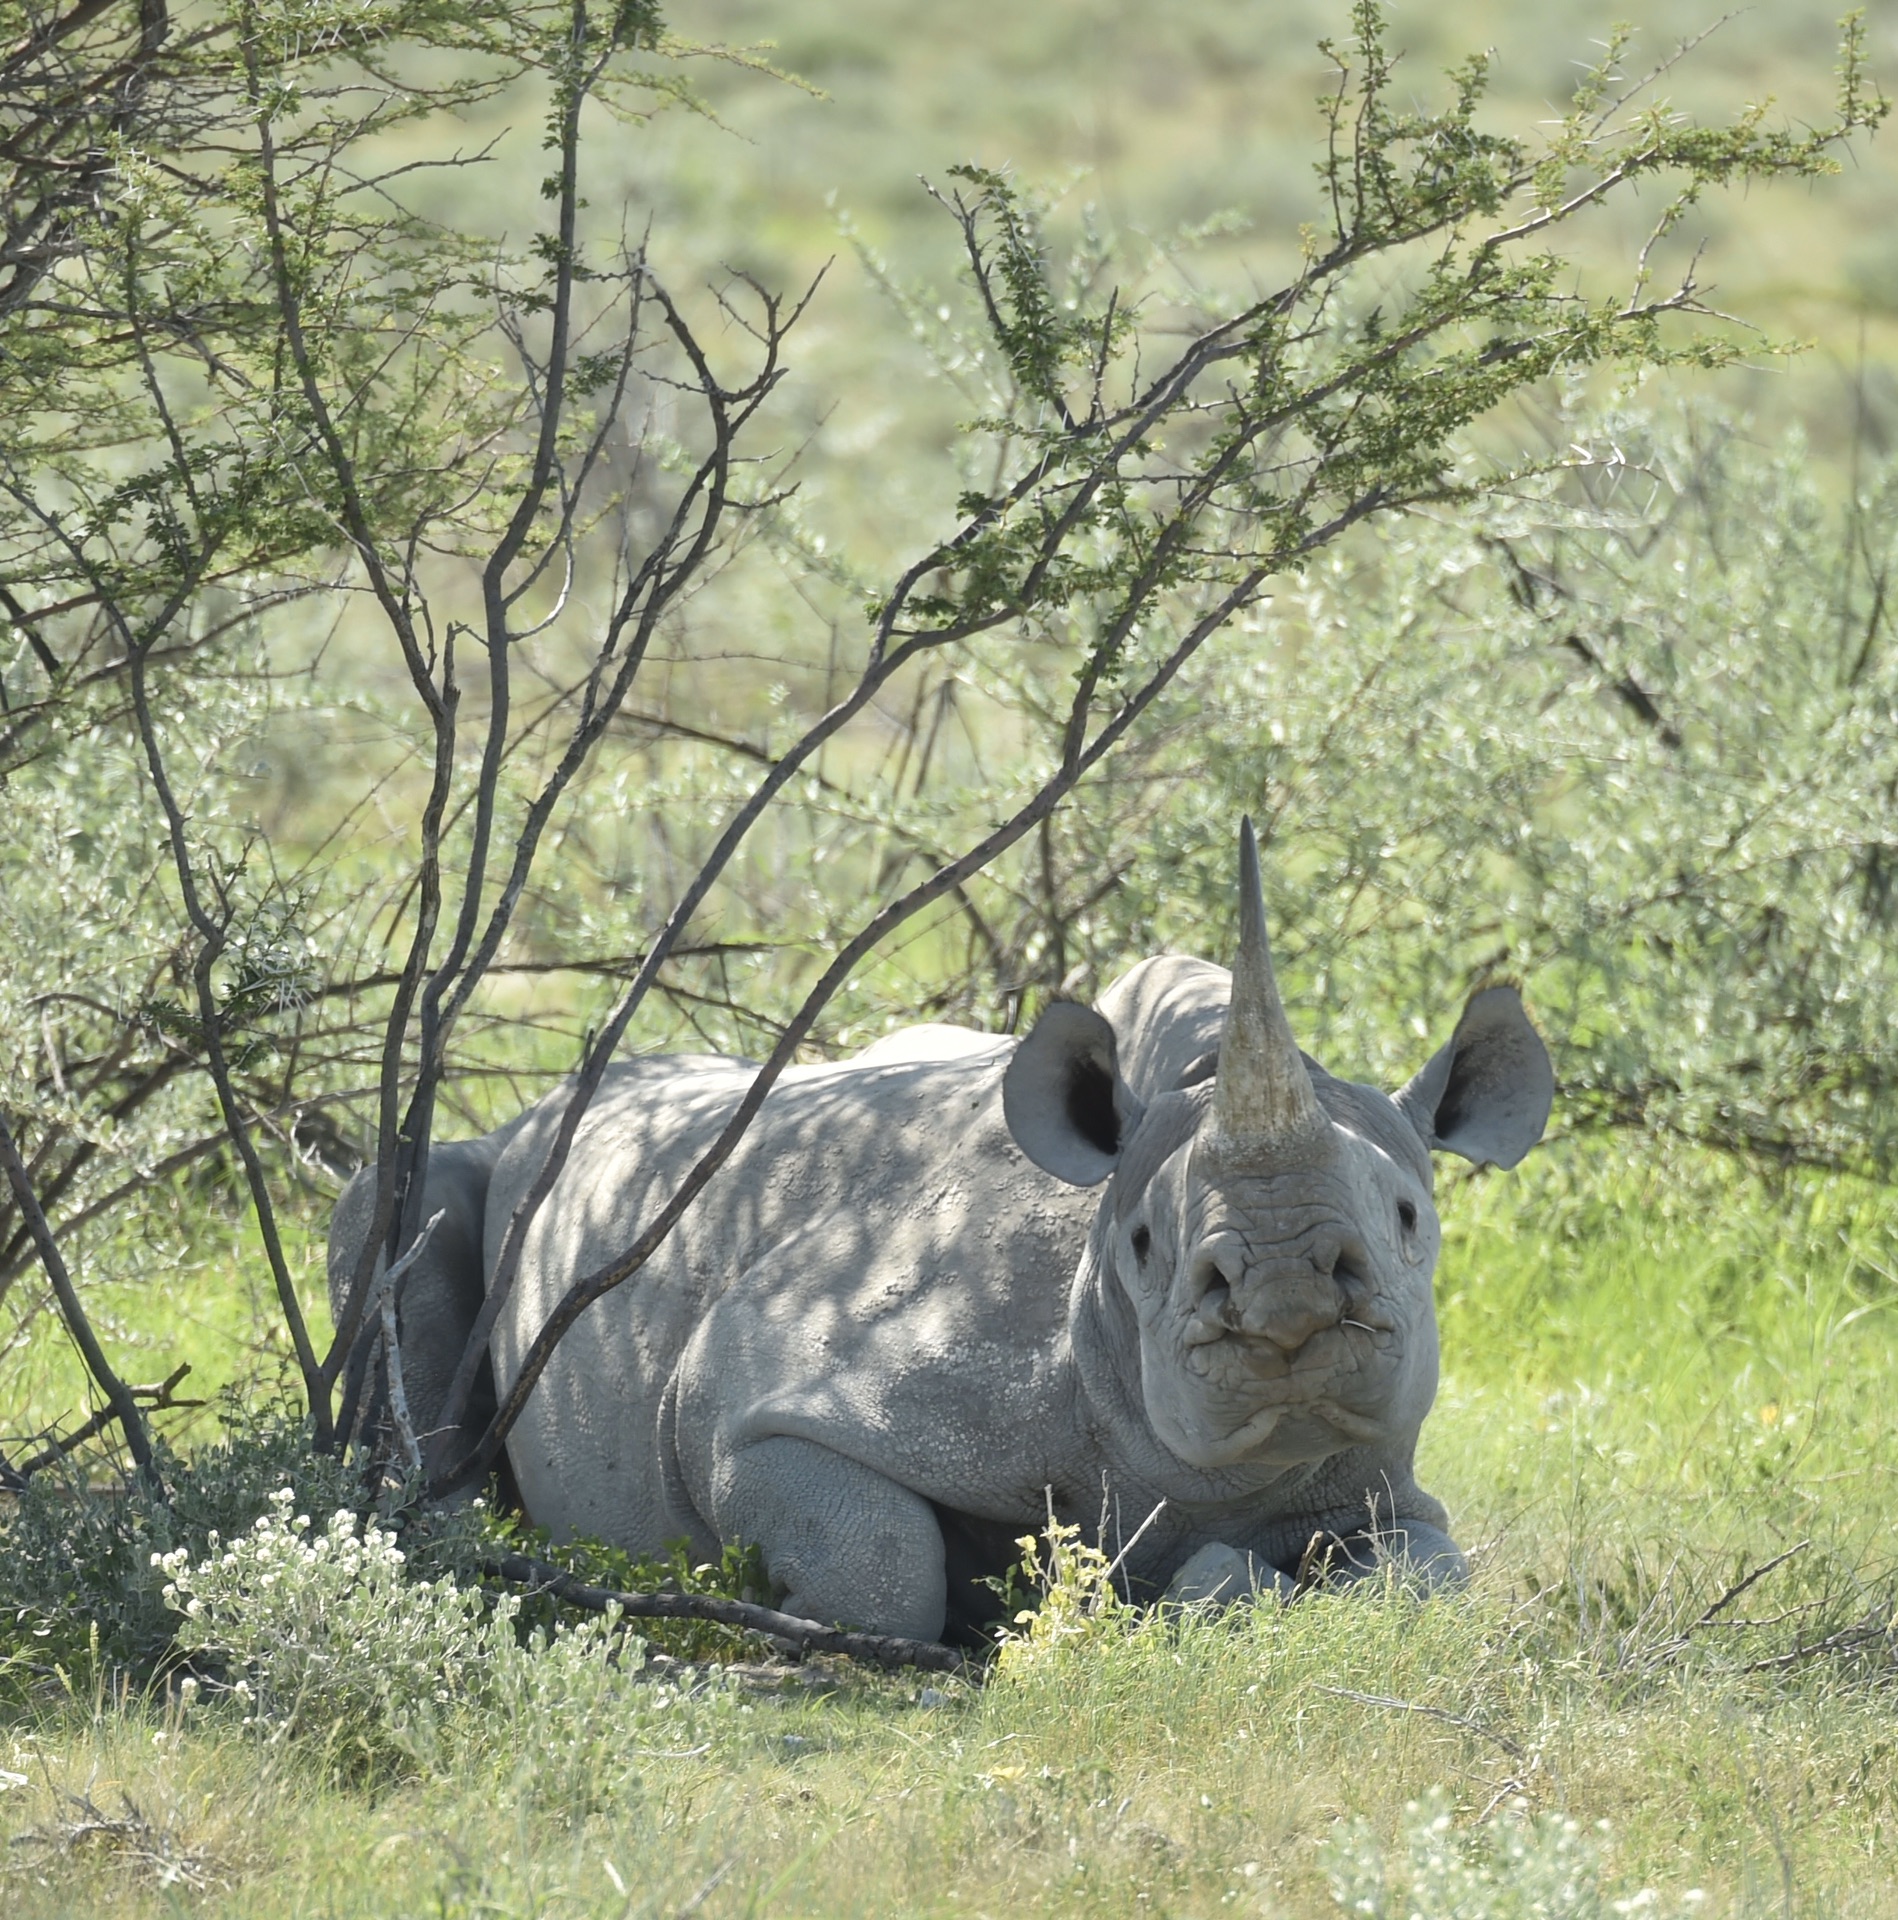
(900,1321)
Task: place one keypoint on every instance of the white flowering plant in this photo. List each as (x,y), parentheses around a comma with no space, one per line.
(1518,1867)
(323,1632)
(323,1626)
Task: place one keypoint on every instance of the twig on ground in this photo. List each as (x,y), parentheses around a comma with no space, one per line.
(1513,1748)
(1740,1586)
(1114,1565)
(1876,1626)
(1711,1617)
(799,1636)
(136,1842)
(705,1891)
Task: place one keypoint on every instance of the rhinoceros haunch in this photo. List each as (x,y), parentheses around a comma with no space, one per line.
(901,1317)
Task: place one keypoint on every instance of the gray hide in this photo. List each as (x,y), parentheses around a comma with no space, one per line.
(442,1290)
(891,1322)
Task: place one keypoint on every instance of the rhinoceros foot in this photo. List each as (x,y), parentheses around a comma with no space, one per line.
(1219,1575)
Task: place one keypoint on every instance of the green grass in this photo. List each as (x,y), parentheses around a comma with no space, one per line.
(1657,1379)
(182,1281)
(1155,126)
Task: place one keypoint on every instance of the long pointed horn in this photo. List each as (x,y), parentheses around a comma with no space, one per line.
(1263,1092)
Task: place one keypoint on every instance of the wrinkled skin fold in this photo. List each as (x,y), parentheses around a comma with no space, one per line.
(1149,1254)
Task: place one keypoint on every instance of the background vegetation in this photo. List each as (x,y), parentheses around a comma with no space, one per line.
(1626,733)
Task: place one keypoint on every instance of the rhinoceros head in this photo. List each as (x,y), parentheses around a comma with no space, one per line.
(1273,1228)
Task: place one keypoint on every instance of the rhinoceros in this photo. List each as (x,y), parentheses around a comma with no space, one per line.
(1151,1260)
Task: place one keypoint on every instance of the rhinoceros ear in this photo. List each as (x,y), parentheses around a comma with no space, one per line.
(1487,1094)
(1064,1099)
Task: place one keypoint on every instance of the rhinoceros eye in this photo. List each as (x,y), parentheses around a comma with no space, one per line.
(1143,1243)
(1407,1216)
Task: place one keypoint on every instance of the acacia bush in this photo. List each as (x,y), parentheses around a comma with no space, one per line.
(1630,738)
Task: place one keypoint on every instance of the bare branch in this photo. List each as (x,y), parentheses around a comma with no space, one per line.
(1462,1722)
(161,1398)
(392,1348)
(797,1636)
(124,1408)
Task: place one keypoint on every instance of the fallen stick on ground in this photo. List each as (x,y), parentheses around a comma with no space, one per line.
(800,1636)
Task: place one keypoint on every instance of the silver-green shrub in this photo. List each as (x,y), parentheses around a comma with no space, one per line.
(324,1634)
(1631,739)
(1519,1867)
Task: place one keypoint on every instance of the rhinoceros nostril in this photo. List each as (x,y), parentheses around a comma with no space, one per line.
(1207,1274)
(1349,1269)
(1212,1292)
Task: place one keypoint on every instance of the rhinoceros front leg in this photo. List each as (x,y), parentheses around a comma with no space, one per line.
(1422,1555)
(847,1544)
(1218,1575)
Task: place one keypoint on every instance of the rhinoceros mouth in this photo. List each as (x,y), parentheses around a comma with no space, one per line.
(1217,1320)
(1281,1433)
(1224,1396)
(1335,1383)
